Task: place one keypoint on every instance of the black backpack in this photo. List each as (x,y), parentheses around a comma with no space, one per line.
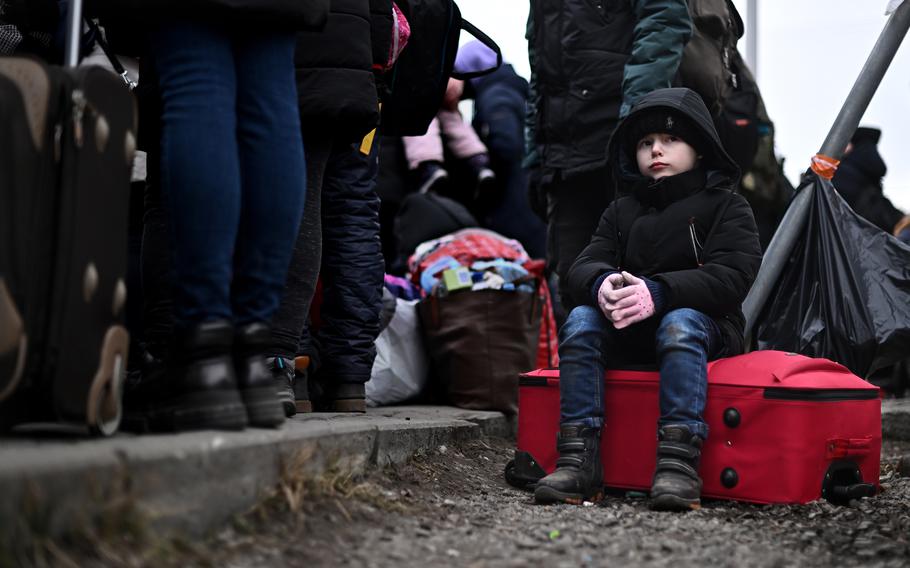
(425,216)
(416,84)
(707,62)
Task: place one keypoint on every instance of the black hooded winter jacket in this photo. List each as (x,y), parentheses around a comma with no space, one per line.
(688,232)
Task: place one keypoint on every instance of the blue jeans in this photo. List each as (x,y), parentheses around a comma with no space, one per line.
(682,340)
(232,167)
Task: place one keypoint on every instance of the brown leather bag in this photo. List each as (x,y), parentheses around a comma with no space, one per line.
(479,343)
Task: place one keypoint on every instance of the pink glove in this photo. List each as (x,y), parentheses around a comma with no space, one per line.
(630,304)
(610,283)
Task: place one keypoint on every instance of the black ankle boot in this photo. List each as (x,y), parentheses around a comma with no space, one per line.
(254,379)
(201,388)
(348,397)
(676,485)
(579,473)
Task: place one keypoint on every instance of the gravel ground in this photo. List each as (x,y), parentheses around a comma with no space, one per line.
(452,508)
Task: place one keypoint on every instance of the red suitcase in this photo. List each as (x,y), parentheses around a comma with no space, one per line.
(784,428)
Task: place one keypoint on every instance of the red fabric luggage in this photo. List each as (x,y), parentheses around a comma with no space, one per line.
(784,428)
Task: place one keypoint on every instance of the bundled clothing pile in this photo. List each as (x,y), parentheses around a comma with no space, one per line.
(480,258)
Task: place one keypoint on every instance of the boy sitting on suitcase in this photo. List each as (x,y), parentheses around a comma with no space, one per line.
(662,280)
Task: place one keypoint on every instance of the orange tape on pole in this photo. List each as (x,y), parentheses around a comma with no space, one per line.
(825,166)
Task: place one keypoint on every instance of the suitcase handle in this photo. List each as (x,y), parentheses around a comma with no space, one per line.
(839,448)
(809,365)
(73,33)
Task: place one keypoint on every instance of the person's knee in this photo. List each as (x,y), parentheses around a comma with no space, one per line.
(681,327)
(582,321)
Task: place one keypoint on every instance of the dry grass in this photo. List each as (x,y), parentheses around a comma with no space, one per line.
(299,489)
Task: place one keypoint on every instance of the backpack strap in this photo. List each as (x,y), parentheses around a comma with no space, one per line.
(109,53)
(484,39)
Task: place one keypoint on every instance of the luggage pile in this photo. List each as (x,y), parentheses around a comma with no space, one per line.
(485,318)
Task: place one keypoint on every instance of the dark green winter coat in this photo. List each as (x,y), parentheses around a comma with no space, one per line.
(590,60)
(689,232)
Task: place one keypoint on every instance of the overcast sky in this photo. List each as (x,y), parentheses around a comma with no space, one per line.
(810,53)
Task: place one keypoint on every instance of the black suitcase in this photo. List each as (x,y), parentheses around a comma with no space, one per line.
(67,140)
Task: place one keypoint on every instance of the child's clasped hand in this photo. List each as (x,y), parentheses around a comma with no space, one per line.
(625,299)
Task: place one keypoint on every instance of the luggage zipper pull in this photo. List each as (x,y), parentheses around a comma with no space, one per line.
(79,104)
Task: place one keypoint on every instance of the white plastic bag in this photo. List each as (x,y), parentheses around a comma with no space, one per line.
(401,366)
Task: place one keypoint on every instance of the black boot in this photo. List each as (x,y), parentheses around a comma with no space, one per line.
(676,485)
(348,397)
(254,379)
(200,391)
(579,473)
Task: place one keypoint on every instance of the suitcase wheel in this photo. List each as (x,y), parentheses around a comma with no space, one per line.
(105,407)
(13,344)
(844,482)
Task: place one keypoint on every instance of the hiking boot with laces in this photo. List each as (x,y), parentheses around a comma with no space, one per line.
(579,472)
(283,373)
(676,485)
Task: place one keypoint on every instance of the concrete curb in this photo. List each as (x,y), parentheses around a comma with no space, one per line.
(195,482)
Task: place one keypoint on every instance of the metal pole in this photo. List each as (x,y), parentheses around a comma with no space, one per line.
(845,124)
(752,37)
(73,33)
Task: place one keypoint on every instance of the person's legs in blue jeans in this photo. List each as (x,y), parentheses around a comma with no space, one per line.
(200,181)
(272,172)
(686,339)
(231,146)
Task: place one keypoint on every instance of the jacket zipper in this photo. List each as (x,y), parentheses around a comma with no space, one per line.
(696,244)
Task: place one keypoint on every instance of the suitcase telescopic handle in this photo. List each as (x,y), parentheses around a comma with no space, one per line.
(73,33)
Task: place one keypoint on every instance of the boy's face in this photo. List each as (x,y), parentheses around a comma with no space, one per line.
(661,155)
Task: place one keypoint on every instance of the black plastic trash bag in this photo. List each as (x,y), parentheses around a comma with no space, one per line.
(845,291)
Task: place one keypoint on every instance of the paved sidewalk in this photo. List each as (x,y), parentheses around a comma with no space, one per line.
(195,482)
